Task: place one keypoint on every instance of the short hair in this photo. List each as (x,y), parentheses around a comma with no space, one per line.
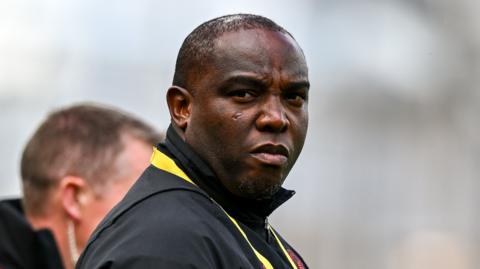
(198,46)
(82,140)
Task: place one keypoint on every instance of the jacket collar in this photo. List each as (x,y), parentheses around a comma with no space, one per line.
(199,171)
(37,248)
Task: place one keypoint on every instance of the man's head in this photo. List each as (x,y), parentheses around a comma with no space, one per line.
(78,164)
(239,99)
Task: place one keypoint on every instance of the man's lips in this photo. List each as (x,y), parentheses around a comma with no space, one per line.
(271,154)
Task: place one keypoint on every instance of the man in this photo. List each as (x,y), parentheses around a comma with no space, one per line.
(238,107)
(78,164)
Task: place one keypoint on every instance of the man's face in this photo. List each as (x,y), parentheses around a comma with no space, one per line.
(249,113)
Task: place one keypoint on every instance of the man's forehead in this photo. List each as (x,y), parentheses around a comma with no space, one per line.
(257,47)
(253,38)
(258,52)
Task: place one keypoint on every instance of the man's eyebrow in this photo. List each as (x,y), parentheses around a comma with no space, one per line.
(304,84)
(256,81)
(246,80)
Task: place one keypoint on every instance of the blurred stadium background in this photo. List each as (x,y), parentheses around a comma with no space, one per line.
(389,176)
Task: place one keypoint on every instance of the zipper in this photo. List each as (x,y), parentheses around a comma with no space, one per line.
(267,231)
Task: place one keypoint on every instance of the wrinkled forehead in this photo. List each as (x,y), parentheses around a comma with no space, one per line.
(256,50)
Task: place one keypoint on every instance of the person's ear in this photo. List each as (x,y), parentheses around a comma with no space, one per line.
(179,102)
(72,191)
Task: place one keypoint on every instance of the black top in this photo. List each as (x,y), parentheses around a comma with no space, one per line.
(167,222)
(21,247)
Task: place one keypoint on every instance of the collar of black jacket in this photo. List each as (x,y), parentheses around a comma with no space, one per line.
(198,170)
(22,246)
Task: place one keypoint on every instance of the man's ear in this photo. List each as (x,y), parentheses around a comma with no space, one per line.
(72,191)
(179,102)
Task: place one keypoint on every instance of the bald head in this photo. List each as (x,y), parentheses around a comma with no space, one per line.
(199,46)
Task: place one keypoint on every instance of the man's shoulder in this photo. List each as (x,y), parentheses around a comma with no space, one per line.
(162,217)
(154,184)
(11,208)
(12,225)
(159,205)
(168,208)
(162,227)
(20,245)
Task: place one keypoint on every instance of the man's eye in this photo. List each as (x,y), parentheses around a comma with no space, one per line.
(295,98)
(242,95)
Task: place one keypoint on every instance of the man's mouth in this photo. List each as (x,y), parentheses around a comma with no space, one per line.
(271,154)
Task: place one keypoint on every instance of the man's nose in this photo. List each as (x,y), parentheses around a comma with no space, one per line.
(272,116)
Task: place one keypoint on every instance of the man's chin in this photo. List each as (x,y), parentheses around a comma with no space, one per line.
(254,192)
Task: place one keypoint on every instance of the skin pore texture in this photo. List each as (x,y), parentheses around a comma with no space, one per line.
(246,114)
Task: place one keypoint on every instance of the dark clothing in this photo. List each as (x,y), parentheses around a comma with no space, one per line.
(21,247)
(167,222)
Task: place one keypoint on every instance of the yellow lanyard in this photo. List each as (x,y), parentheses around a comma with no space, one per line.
(165,163)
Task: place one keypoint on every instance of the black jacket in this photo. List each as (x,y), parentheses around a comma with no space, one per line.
(21,247)
(167,222)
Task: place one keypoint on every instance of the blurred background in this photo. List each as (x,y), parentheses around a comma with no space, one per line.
(389,176)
